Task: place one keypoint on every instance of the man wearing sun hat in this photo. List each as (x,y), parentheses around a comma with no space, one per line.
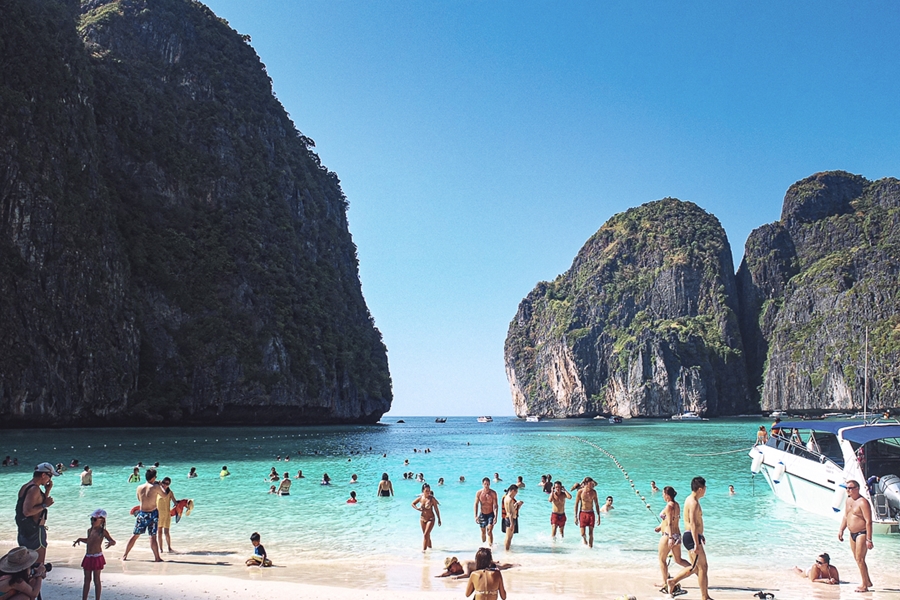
(31,510)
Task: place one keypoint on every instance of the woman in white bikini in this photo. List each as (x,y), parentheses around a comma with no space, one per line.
(670,542)
(485,582)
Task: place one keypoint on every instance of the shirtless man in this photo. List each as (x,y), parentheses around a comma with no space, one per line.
(511,506)
(858,519)
(558,498)
(148,515)
(692,539)
(486,510)
(586,509)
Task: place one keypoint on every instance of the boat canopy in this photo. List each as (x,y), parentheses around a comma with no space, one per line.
(855,431)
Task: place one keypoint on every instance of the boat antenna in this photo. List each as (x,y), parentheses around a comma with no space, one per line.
(866,379)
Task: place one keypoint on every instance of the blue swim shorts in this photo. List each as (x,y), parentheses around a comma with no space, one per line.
(485,519)
(147,522)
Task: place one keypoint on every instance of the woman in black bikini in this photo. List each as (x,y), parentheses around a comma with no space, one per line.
(385,487)
(427,504)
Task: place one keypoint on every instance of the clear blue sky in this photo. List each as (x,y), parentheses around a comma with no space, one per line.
(481,143)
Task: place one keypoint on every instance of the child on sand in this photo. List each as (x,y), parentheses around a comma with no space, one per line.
(93,561)
(259,558)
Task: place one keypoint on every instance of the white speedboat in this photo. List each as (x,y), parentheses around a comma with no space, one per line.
(485,420)
(615,420)
(810,463)
(687,415)
(533,419)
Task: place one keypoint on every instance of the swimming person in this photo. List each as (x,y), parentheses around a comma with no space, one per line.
(135,476)
(427,504)
(352,499)
(558,498)
(693,540)
(147,517)
(193,473)
(485,581)
(653,487)
(224,472)
(510,518)
(585,506)
(608,506)
(822,571)
(87,476)
(385,487)
(486,510)
(326,480)
(858,519)
(284,488)
(670,542)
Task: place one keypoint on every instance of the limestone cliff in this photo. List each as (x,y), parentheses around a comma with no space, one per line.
(172,248)
(644,323)
(809,287)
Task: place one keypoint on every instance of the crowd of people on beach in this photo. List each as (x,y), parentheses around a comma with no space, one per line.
(23,568)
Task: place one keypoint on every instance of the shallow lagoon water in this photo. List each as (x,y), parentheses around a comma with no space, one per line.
(314,526)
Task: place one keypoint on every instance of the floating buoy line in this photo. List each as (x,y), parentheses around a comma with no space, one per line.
(615,460)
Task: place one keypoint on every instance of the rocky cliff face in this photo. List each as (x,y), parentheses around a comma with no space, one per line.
(644,323)
(172,248)
(809,287)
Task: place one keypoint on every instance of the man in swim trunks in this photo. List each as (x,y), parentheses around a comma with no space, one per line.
(692,539)
(31,510)
(558,498)
(858,519)
(585,508)
(148,515)
(486,510)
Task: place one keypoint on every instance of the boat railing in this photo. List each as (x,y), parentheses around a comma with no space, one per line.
(788,445)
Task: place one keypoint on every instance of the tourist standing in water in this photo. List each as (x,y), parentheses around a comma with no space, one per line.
(558,498)
(486,510)
(87,476)
(586,507)
(511,506)
(858,519)
(147,518)
(671,534)
(693,540)
(427,504)
(385,487)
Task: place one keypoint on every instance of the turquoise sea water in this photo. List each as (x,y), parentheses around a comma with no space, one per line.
(314,527)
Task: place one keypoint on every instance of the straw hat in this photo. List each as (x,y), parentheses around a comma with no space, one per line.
(18,559)
(449,561)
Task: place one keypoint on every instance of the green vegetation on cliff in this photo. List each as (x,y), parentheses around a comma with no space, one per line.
(226,265)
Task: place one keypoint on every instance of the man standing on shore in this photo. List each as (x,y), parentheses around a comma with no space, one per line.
(692,539)
(486,510)
(858,519)
(148,515)
(31,510)
(585,510)
(558,498)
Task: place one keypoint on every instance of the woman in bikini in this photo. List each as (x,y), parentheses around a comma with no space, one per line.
(670,542)
(427,504)
(385,487)
(821,572)
(485,581)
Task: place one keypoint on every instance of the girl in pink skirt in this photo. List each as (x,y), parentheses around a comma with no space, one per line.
(93,561)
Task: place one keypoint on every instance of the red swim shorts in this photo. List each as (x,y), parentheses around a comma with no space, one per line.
(558,519)
(586,519)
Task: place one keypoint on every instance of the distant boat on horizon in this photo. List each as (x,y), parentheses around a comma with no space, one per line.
(533,419)
(441,420)
(485,420)
(615,420)
(687,415)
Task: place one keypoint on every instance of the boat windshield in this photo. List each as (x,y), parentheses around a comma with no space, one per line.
(881,457)
(814,445)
